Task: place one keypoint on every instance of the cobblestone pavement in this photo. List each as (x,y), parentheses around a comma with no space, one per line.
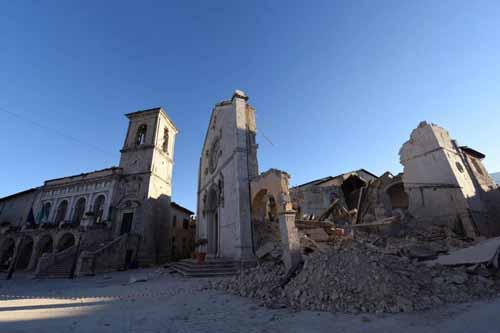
(168,303)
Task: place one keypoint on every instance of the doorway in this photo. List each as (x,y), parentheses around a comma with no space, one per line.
(128,259)
(126,223)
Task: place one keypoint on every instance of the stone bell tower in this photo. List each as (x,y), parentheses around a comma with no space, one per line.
(149,147)
(147,160)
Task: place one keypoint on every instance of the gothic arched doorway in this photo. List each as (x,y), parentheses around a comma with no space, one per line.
(212,212)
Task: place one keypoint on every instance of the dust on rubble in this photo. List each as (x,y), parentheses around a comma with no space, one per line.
(370,273)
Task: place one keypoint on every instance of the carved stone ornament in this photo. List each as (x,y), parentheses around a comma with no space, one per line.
(204,208)
(214,155)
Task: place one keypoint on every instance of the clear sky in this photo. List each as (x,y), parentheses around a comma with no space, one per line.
(337,85)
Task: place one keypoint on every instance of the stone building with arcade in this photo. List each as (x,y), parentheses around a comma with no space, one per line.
(97,221)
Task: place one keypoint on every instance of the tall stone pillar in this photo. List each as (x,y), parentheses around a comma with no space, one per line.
(289,239)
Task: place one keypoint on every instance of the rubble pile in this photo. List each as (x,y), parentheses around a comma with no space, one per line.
(416,241)
(265,231)
(262,282)
(355,276)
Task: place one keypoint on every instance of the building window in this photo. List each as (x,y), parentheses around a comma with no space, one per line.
(141,135)
(99,208)
(165,140)
(61,211)
(45,213)
(79,211)
(459,167)
(174,221)
(185,224)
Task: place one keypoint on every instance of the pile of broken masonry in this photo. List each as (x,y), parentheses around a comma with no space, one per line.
(369,273)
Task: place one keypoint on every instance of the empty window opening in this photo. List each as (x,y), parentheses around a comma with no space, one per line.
(141,135)
(165,140)
(264,207)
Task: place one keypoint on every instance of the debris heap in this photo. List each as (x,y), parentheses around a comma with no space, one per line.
(354,276)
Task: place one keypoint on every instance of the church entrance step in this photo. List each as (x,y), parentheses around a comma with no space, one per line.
(209,268)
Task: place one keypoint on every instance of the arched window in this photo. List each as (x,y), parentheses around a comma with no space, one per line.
(165,140)
(99,208)
(79,210)
(61,212)
(44,215)
(141,135)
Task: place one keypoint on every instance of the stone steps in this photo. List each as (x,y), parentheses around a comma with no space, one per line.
(210,268)
(58,271)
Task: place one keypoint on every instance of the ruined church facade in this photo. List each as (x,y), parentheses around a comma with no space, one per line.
(227,164)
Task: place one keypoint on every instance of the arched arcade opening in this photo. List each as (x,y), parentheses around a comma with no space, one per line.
(7,248)
(25,253)
(65,242)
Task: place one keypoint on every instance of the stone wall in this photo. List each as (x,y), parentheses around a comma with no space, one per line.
(440,185)
(15,209)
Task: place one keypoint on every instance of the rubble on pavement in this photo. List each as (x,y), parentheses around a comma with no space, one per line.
(371,272)
(355,276)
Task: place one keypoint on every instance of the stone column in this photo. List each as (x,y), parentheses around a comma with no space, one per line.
(34,254)
(290,241)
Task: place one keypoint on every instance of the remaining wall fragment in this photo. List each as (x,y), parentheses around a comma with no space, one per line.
(273,219)
(439,188)
(265,192)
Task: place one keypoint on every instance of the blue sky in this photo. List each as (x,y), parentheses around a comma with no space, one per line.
(337,85)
